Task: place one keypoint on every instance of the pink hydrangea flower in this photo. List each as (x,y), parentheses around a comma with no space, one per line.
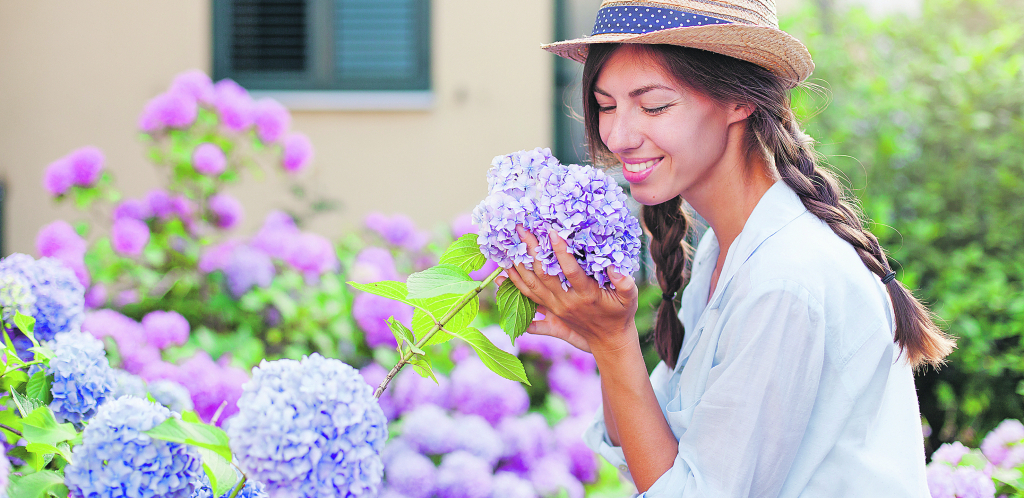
(234,105)
(371,313)
(58,177)
(86,165)
(1004,446)
(133,208)
(58,238)
(227,211)
(272,120)
(169,110)
(398,230)
(462,225)
(96,296)
(165,328)
(312,254)
(217,256)
(373,264)
(195,84)
(129,236)
(160,203)
(950,453)
(209,159)
(298,152)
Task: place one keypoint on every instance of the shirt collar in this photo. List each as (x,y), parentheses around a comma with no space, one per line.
(777,208)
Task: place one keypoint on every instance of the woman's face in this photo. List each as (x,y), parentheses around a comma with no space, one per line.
(669,139)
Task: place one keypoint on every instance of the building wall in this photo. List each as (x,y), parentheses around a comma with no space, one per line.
(78,73)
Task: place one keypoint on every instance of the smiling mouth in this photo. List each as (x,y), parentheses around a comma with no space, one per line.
(638,167)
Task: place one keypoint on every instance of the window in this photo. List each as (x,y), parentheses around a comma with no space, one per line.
(323,44)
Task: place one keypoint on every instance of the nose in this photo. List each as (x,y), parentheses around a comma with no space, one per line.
(622,133)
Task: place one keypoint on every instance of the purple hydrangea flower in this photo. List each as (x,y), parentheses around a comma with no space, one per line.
(581,389)
(410,390)
(247,268)
(582,204)
(59,296)
(227,211)
(251,489)
(234,105)
(311,254)
(165,328)
(58,177)
(160,203)
(5,469)
(172,395)
(950,453)
(272,120)
(182,207)
(959,482)
(509,485)
(217,256)
(209,159)
(1004,446)
(485,271)
(463,224)
(211,384)
(129,236)
(86,165)
(195,84)
(169,110)
(15,296)
(398,230)
(109,323)
(96,296)
(116,458)
(371,312)
(550,476)
(298,152)
(126,297)
(476,436)
(127,384)
(429,430)
(569,441)
(82,377)
(464,475)
(476,390)
(411,474)
(133,208)
(527,439)
(373,264)
(310,428)
(57,238)
(274,236)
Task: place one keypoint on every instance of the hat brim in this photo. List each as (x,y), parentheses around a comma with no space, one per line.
(771,48)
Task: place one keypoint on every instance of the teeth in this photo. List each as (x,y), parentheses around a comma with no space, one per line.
(636,168)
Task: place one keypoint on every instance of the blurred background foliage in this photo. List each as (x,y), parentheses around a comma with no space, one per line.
(925,118)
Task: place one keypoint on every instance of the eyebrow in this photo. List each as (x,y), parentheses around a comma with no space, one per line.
(638,92)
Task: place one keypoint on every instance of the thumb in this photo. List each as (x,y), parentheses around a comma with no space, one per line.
(624,284)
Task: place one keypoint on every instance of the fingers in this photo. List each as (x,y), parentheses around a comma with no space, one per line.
(549,281)
(624,284)
(526,281)
(570,267)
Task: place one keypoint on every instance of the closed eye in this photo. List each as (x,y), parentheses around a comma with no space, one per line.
(654,111)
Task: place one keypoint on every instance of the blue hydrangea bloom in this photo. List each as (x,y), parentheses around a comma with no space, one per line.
(172,395)
(116,459)
(127,384)
(60,297)
(15,296)
(82,377)
(310,428)
(586,207)
(251,489)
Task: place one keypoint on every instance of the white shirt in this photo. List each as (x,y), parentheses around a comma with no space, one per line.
(788,382)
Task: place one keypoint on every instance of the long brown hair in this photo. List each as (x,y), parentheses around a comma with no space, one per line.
(772,130)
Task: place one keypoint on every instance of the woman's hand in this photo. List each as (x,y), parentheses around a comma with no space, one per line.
(586,316)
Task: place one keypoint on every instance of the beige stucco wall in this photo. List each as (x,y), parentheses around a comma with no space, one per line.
(78,73)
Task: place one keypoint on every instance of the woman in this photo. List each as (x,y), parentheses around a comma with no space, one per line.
(790,372)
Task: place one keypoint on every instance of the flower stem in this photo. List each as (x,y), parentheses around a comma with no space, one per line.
(238,488)
(438,325)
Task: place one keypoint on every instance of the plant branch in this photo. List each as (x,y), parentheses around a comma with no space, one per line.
(438,325)
(10,429)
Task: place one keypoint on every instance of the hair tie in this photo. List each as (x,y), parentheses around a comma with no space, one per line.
(889,277)
(665,296)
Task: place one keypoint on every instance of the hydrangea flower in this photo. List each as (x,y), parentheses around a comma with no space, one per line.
(59,238)
(959,482)
(398,230)
(311,254)
(212,384)
(59,296)
(411,474)
(464,475)
(310,428)
(234,105)
(509,485)
(582,461)
(272,120)
(86,164)
(298,152)
(172,395)
(429,429)
(160,203)
(950,453)
(251,489)
(209,159)
(168,110)
(1004,446)
(373,264)
(371,313)
(581,390)
(274,236)
(82,377)
(96,296)
(58,177)
(476,390)
(127,384)
(476,436)
(410,390)
(227,211)
(527,440)
(129,236)
(247,268)
(463,224)
(133,208)
(165,328)
(116,458)
(195,84)
(374,374)
(15,296)
(217,256)
(5,471)
(582,204)
(550,476)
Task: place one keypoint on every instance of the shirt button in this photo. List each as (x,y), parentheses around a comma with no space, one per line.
(623,468)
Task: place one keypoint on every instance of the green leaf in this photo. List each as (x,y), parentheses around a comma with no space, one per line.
(403,335)
(38,387)
(201,435)
(438,307)
(222,475)
(49,449)
(464,253)
(42,352)
(14,379)
(439,280)
(40,484)
(25,405)
(26,324)
(11,419)
(499,361)
(422,367)
(386,288)
(515,310)
(41,427)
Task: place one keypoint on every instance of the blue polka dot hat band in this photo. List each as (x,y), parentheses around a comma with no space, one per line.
(646,19)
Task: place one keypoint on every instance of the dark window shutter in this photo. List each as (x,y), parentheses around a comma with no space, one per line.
(381,42)
(269,35)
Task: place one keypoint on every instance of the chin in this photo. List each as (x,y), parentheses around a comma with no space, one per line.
(648,198)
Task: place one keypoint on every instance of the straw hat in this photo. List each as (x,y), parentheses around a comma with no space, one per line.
(744,29)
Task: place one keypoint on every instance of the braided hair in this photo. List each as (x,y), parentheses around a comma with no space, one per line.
(772,131)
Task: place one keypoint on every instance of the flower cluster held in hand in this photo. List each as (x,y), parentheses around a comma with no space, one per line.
(584,206)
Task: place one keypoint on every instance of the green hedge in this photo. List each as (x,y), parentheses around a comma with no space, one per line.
(926,121)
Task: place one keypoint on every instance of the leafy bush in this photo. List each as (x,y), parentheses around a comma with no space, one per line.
(926,121)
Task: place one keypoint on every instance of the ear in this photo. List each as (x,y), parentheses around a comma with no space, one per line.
(739,112)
